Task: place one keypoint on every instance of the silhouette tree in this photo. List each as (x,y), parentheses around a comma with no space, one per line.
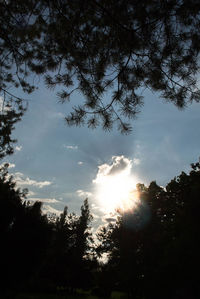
(159,258)
(43,253)
(82,244)
(10,200)
(11,111)
(25,233)
(56,270)
(29,239)
(82,260)
(68,262)
(152,251)
(98,47)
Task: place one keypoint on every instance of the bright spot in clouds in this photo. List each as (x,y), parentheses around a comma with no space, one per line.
(115,185)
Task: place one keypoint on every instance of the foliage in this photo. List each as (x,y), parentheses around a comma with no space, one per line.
(42,252)
(11,200)
(152,251)
(11,111)
(68,259)
(24,234)
(108,51)
(161,257)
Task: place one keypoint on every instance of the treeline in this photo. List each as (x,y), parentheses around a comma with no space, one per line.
(152,251)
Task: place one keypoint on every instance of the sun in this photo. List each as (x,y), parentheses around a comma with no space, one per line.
(117,192)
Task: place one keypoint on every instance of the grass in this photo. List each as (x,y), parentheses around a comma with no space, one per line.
(79,294)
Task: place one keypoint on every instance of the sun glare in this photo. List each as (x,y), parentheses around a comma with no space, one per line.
(117,192)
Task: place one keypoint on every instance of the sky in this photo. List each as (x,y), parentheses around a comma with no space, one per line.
(61,165)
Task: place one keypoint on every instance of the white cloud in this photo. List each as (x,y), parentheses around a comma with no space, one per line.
(19,177)
(95,216)
(71,147)
(49,210)
(94,206)
(80,163)
(119,164)
(11,165)
(18,174)
(45,200)
(18,148)
(115,184)
(82,193)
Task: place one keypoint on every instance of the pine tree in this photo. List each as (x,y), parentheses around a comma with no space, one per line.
(108,51)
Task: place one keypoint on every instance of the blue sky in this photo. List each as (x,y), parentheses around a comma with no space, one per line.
(58,164)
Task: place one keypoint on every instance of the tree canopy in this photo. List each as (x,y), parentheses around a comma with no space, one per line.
(160,258)
(152,251)
(42,251)
(109,51)
(11,111)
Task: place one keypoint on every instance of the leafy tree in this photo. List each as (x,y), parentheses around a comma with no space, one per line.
(11,111)
(10,200)
(55,270)
(29,241)
(68,261)
(39,253)
(153,251)
(24,234)
(83,235)
(120,245)
(109,51)
(82,260)
(159,259)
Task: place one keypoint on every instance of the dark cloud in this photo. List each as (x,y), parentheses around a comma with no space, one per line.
(120,163)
